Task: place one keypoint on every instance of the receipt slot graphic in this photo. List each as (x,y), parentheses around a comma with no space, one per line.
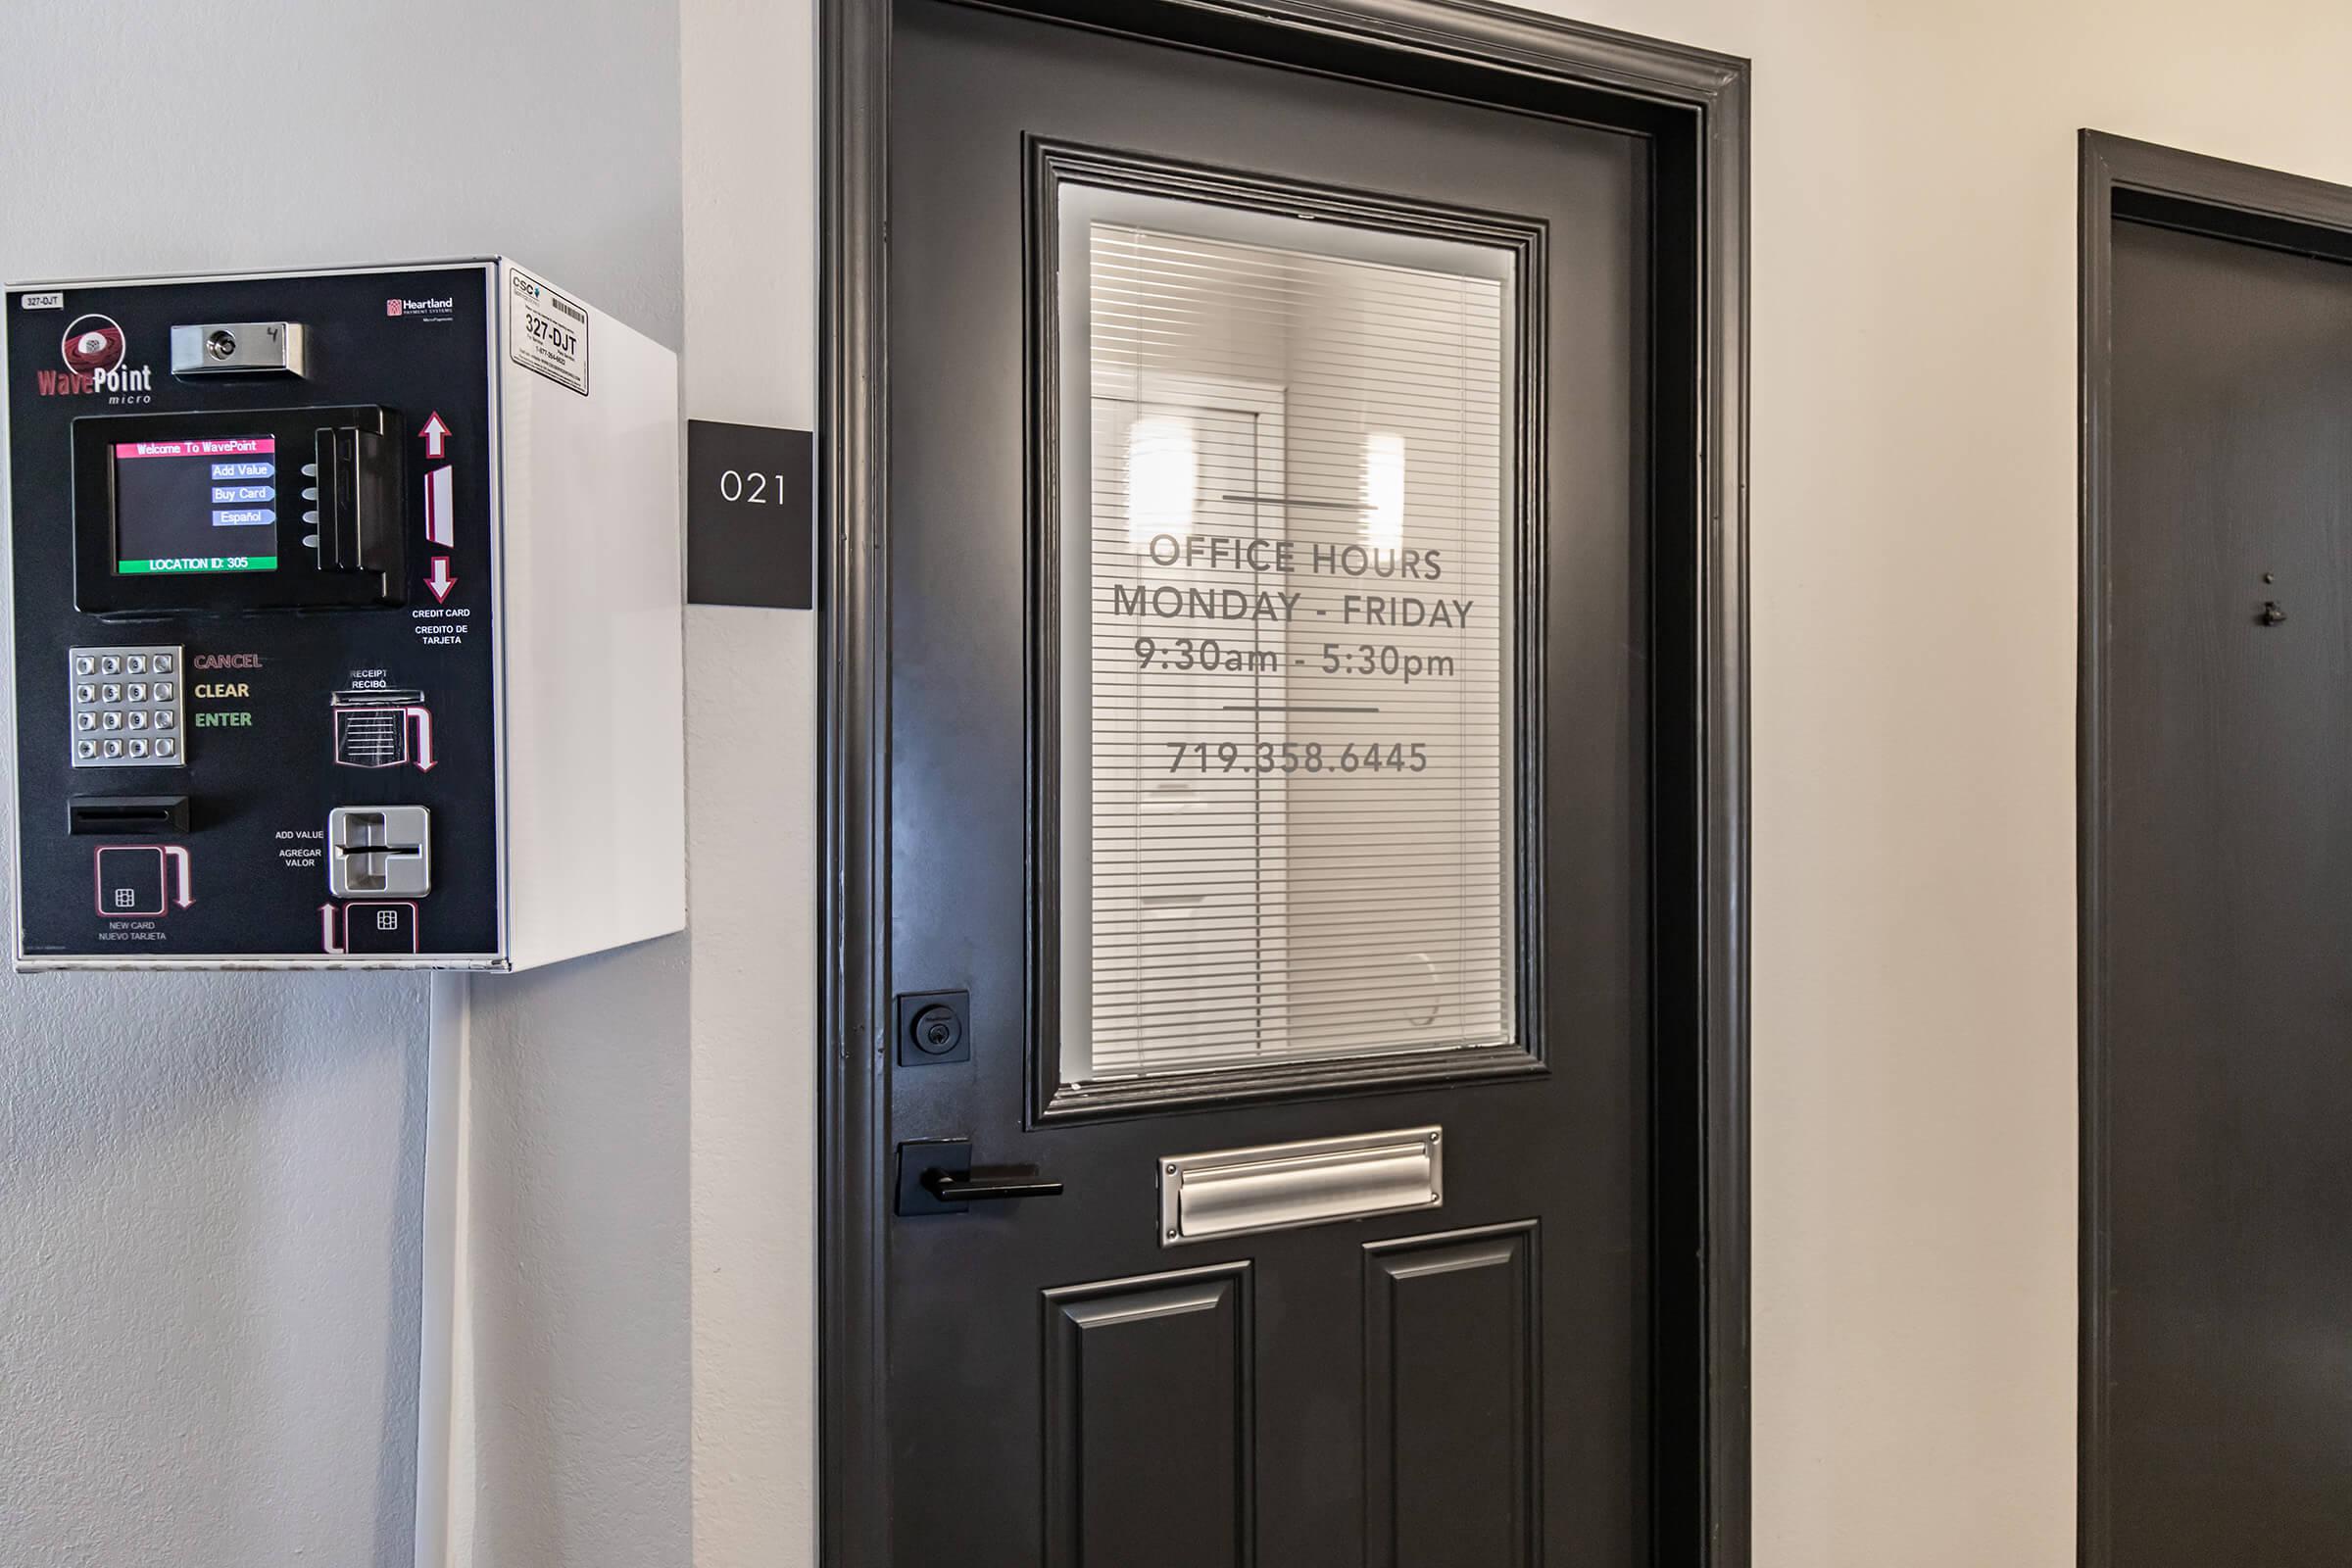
(377,728)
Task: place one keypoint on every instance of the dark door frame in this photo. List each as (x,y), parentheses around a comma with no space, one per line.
(1694,106)
(2142,182)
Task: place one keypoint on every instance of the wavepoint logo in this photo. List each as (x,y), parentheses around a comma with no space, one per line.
(93,349)
(92,344)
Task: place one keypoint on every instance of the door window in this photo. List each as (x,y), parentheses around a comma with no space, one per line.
(1287,564)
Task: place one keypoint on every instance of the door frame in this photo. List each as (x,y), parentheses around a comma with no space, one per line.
(2144,182)
(1693,104)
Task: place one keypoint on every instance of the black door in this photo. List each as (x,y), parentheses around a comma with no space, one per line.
(2224,824)
(1273,773)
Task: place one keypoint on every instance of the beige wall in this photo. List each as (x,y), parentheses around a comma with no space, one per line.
(1914,582)
(1914,596)
(211,1191)
(753,857)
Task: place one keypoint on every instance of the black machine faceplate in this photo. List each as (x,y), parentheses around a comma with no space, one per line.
(273,717)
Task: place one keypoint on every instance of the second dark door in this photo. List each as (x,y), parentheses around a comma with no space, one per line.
(2225,718)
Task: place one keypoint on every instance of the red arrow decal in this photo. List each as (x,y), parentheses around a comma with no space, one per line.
(442,579)
(436,435)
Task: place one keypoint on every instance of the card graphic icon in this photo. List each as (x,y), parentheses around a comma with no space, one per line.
(141,879)
(349,930)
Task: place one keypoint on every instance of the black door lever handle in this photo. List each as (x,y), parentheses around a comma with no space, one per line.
(935,1177)
(963,1187)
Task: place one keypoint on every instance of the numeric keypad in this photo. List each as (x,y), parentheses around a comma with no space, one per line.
(126,708)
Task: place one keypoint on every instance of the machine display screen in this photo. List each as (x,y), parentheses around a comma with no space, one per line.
(198,506)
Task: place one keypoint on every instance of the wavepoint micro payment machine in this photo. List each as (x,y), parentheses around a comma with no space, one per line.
(346,616)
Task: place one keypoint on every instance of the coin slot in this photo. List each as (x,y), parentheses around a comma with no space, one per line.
(142,815)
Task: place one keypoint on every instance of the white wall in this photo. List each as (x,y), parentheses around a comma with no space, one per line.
(574,1422)
(210,1186)
(1914,663)
(751,775)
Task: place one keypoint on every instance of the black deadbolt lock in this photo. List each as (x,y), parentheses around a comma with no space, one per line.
(933,1027)
(937,1030)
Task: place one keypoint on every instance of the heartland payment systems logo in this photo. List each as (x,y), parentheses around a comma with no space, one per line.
(440,309)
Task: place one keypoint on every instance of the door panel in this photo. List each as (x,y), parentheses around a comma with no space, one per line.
(1005,1363)
(1450,1438)
(1149,1406)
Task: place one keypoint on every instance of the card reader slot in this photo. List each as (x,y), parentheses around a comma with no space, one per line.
(356,516)
(140,814)
(377,849)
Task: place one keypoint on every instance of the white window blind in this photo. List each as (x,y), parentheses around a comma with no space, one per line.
(1286,570)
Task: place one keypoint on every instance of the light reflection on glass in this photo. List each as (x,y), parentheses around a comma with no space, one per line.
(1162,471)
(1383,489)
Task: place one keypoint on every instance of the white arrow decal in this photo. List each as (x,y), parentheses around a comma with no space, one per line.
(424,736)
(179,853)
(439,499)
(326,928)
(442,579)
(436,435)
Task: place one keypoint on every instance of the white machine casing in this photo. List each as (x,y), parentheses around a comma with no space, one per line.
(592,671)
(587,627)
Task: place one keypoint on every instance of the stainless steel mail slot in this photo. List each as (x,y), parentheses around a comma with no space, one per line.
(1274,1186)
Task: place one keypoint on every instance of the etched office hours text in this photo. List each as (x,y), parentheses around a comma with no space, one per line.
(1208,653)
(1297,756)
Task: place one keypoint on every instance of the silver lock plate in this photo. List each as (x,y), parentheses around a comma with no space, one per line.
(240,348)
